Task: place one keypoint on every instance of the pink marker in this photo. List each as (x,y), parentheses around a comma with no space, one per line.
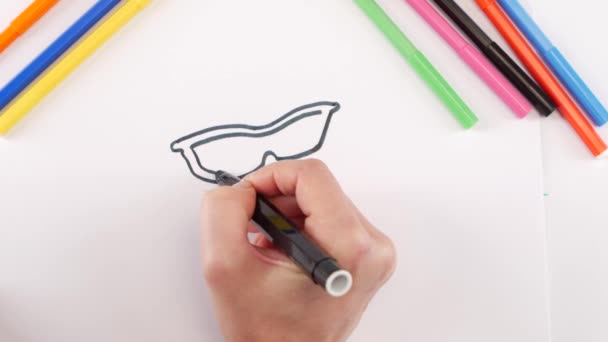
(493,78)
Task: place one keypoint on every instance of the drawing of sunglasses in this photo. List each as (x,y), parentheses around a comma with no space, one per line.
(288,137)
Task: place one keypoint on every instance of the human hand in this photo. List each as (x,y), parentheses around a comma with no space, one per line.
(258,293)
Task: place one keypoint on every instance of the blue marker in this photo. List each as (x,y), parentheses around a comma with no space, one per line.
(55,51)
(560,66)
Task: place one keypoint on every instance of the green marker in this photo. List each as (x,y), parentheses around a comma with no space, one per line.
(425,69)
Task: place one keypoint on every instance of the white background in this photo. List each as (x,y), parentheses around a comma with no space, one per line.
(98,220)
(577,187)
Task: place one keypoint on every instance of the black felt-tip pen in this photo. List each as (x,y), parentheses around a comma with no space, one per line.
(503,62)
(322,268)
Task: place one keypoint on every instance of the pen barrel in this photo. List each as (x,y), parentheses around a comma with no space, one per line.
(546,79)
(464,22)
(483,4)
(54,51)
(284,234)
(438,23)
(526,24)
(7,37)
(24,21)
(558,64)
(520,79)
(68,64)
(582,127)
(444,91)
(392,32)
(476,61)
(32,14)
(495,80)
(417,60)
(575,84)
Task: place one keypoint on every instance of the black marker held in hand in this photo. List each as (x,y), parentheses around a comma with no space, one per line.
(323,269)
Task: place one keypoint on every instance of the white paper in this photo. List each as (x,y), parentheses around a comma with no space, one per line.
(576,185)
(99,218)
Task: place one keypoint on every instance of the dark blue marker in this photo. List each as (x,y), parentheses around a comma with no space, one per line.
(55,51)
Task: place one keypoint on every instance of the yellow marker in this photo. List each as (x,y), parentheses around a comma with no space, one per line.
(72,60)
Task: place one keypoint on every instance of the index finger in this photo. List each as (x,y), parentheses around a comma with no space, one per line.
(310,181)
(331,219)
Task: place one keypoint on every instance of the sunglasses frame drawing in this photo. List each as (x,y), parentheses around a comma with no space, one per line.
(186,145)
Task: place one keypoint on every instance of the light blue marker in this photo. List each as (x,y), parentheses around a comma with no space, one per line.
(556,61)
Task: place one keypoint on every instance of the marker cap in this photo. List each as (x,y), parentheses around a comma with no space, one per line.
(336,281)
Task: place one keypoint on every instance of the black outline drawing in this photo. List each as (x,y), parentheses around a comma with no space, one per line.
(186,145)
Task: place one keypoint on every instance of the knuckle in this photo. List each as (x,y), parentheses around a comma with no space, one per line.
(314,166)
(387,256)
(360,245)
(350,220)
(215,271)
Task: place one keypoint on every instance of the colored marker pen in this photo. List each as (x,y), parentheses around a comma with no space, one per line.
(512,71)
(25,21)
(32,96)
(420,63)
(476,61)
(54,52)
(542,74)
(323,269)
(556,61)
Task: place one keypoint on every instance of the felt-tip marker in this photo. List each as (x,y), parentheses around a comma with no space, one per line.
(478,63)
(283,233)
(25,21)
(512,71)
(419,62)
(55,51)
(73,58)
(544,76)
(556,61)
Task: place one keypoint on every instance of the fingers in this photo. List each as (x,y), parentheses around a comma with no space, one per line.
(331,219)
(376,268)
(310,181)
(225,219)
(288,206)
(307,193)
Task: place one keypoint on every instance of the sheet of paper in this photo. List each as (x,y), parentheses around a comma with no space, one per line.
(99,218)
(577,186)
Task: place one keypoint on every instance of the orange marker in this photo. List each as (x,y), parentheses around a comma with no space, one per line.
(24,21)
(543,76)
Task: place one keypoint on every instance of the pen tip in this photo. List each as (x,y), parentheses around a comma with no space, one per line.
(219,174)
